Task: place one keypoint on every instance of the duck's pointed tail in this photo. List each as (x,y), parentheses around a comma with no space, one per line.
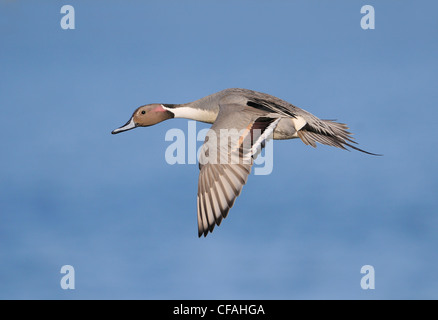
(329,132)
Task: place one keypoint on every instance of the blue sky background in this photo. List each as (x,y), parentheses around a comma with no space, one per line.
(72,193)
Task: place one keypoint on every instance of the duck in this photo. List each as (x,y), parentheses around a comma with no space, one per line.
(249,118)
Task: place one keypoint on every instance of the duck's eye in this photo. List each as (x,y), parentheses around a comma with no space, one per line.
(143,112)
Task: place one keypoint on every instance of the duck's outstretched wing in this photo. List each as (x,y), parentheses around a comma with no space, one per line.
(225,161)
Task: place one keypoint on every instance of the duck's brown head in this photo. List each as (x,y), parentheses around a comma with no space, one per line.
(146,116)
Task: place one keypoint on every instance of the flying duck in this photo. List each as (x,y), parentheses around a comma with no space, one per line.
(248,118)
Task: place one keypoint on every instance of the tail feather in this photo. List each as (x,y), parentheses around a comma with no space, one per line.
(330,133)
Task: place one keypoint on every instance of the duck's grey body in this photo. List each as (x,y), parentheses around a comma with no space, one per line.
(292,120)
(251,117)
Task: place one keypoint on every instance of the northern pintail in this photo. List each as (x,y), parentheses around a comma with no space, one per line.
(251,117)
